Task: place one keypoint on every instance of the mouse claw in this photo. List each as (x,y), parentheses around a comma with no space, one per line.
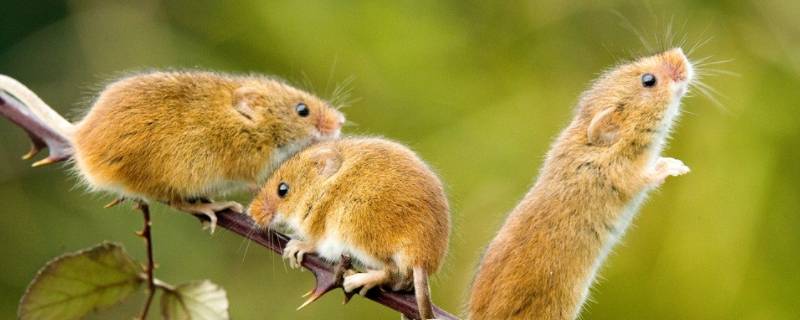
(295,250)
(211,223)
(205,207)
(663,168)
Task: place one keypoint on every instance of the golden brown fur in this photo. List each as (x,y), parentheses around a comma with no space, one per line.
(370,198)
(544,259)
(172,135)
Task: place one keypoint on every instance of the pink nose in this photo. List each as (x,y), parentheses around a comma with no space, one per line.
(677,65)
(331,125)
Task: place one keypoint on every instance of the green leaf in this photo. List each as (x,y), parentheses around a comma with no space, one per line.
(199,300)
(74,284)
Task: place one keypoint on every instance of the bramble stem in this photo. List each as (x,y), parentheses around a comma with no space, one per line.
(148,240)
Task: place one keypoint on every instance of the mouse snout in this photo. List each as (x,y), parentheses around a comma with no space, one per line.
(262,211)
(677,65)
(330,124)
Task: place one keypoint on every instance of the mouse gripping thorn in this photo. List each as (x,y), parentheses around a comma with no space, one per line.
(326,281)
(344,268)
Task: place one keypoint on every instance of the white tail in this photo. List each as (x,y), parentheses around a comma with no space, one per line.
(36,105)
(423,293)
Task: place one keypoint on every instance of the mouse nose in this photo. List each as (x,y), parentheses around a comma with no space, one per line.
(331,123)
(678,65)
(677,51)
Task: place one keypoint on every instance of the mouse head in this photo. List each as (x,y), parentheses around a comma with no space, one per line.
(293,189)
(287,113)
(636,100)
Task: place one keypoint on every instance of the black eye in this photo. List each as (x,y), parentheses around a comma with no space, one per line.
(302,109)
(283,189)
(648,80)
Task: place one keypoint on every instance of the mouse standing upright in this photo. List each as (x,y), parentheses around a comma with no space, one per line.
(183,137)
(597,173)
(368,198)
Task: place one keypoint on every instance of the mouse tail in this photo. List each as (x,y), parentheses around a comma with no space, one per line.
(422,293)
(36,106)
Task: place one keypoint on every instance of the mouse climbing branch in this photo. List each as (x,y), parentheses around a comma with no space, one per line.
(328,277)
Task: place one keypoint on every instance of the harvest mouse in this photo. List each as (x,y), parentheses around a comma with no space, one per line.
(180,137)
(597,173)
(368,198)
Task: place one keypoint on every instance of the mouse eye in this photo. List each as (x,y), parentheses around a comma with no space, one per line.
(648,80)
(283,189)
(302,109)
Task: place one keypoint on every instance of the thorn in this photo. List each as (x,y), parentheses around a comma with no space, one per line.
(311,299)
(139,233)
(34,150)
(43,162)
(307,294)
(348,296)
(114,203)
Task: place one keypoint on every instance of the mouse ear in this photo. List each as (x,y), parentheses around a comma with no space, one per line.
(327,161)
(603,130)
(243,100)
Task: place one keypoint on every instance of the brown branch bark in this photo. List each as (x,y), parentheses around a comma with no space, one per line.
(326,274)
(148,240)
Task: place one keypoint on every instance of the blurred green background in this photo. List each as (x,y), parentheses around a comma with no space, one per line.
(479,89)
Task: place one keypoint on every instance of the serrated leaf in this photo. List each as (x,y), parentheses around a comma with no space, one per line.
(199,300)
(74,284)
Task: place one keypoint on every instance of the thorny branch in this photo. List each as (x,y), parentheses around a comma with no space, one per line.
(148,240)
(326,275)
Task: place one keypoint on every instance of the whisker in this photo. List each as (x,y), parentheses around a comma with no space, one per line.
(330,74)
(683,40)
(700,61)
(341,95)
(711,63)
(307,83)
(699,44)
(247,245)
(709,93)
(709,88)
(714,72)
(626,23)
(668,36)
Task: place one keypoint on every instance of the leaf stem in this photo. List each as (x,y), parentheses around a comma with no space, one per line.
(163,285)
(145,233)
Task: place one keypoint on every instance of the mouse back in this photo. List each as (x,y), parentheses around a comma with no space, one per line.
(168,135)
(372,194)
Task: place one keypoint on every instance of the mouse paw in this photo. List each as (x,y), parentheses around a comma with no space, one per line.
(208,209)
(665,167)
(295,250)
(227,205)
(365,281)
